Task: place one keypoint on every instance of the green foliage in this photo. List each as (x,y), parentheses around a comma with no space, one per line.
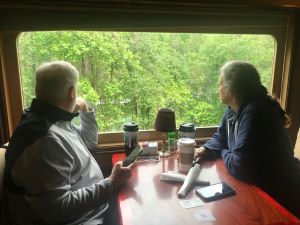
(128,76)
(86,91)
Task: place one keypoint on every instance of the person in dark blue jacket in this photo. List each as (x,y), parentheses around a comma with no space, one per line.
(252,139)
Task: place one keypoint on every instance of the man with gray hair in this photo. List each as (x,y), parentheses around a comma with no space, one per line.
(50,175)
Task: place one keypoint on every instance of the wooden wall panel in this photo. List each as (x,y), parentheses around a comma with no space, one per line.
(149,4)
(11,79)
(293,107)
(4,133)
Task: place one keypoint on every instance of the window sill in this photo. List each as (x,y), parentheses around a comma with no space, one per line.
(111,148)
(117,138)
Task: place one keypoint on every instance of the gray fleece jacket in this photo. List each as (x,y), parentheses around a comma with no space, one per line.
(50,175)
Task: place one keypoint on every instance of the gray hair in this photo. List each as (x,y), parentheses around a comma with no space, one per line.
(243,80)
(54,80)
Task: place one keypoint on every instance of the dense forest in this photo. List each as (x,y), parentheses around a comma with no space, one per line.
(128,76)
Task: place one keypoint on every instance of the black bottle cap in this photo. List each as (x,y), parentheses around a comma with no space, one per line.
(187,127)
(131,126)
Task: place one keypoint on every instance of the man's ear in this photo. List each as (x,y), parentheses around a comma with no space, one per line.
(72,93)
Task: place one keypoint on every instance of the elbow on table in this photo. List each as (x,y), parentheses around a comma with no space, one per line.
(241,171)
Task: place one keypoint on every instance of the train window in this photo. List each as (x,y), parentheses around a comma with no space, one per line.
(128,76)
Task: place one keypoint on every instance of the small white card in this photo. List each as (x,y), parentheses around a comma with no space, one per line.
(191,203)
(203,216)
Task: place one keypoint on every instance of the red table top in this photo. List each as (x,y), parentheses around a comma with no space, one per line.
(147,200)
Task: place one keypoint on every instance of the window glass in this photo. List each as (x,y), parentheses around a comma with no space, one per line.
(128,76)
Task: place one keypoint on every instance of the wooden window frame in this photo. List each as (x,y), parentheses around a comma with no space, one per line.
(279,25)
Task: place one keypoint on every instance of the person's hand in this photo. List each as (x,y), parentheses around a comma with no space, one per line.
(119,174)
(81,104)
(200,153)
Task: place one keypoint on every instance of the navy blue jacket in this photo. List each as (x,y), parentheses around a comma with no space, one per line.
(255,147)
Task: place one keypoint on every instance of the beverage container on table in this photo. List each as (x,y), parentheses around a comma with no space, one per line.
(186,147)
(130,136)
(186,130)
(172,141)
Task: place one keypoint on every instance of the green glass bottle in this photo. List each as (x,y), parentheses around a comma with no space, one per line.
(172,141)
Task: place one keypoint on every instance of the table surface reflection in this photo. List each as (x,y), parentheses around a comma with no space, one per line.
(146,200)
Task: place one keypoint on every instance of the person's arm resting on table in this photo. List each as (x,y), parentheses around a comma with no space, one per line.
(213,147)
(239,158)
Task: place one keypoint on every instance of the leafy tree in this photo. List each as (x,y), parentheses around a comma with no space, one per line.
(128,76)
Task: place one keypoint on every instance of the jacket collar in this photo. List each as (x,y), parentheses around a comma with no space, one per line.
(51,112)
(233,116)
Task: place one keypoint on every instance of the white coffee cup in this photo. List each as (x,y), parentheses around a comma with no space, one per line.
(186,148)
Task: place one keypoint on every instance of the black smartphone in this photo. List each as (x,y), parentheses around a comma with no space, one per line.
(133,155)
(215,191)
